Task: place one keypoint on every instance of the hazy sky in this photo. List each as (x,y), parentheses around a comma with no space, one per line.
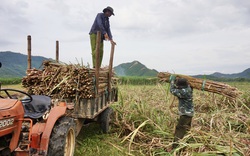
(181,36)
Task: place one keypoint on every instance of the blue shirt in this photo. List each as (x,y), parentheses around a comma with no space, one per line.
(185,97)
(101,23)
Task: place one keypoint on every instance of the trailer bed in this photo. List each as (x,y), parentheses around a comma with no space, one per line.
(89,108)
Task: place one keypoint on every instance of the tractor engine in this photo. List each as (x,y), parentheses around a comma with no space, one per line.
(11,119)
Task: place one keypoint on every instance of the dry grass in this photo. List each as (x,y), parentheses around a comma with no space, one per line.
(146,117)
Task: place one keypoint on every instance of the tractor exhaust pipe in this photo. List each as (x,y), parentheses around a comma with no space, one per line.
(29,52)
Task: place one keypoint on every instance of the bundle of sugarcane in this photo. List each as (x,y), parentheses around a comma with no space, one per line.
(205,85)
(65,81)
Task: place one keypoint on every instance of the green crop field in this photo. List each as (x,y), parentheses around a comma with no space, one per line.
(145,117)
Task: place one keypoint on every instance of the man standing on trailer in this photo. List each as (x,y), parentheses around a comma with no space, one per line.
(101,23)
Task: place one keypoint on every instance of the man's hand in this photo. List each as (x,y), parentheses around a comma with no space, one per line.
(172,78)
(106,36)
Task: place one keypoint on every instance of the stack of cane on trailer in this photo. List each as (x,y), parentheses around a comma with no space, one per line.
(204,85)
(90,89)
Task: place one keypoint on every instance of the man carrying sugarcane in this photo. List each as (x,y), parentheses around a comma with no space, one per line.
(101,23)
(181,89)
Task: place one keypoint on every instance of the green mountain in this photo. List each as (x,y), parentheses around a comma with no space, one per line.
(15,64)
(226,77)
(134,68)
(244,74)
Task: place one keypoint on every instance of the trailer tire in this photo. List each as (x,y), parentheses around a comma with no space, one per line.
(62,139)
(106,118)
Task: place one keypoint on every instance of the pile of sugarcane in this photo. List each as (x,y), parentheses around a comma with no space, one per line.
(64,81)
(206,85)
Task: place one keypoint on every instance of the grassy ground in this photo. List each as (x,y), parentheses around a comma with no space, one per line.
(92,142)
(145,117)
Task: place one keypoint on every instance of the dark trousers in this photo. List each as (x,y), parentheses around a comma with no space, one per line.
(183,126)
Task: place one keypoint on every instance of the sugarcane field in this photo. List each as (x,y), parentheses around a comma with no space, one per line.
(143,123)
(125,78)
(145,115)
(96,112)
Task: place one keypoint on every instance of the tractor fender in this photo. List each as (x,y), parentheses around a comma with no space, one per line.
(37,131)
(55,113)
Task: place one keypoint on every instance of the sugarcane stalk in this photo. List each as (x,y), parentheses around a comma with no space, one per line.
(205,85)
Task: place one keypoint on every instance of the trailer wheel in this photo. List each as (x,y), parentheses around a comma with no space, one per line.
(62,139)
(106,118)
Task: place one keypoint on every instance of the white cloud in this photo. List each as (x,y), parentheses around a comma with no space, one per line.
(189,37)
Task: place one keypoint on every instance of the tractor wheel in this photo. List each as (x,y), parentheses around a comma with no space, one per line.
(105,119)
(62,139)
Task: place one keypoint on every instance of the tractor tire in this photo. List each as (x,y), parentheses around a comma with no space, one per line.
(105,119)
(62,139)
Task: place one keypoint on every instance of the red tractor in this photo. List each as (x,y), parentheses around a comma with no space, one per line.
(37,125)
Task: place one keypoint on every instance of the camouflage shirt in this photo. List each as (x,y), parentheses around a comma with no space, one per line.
(185,97)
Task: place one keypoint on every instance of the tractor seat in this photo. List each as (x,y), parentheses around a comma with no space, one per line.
(37,107)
